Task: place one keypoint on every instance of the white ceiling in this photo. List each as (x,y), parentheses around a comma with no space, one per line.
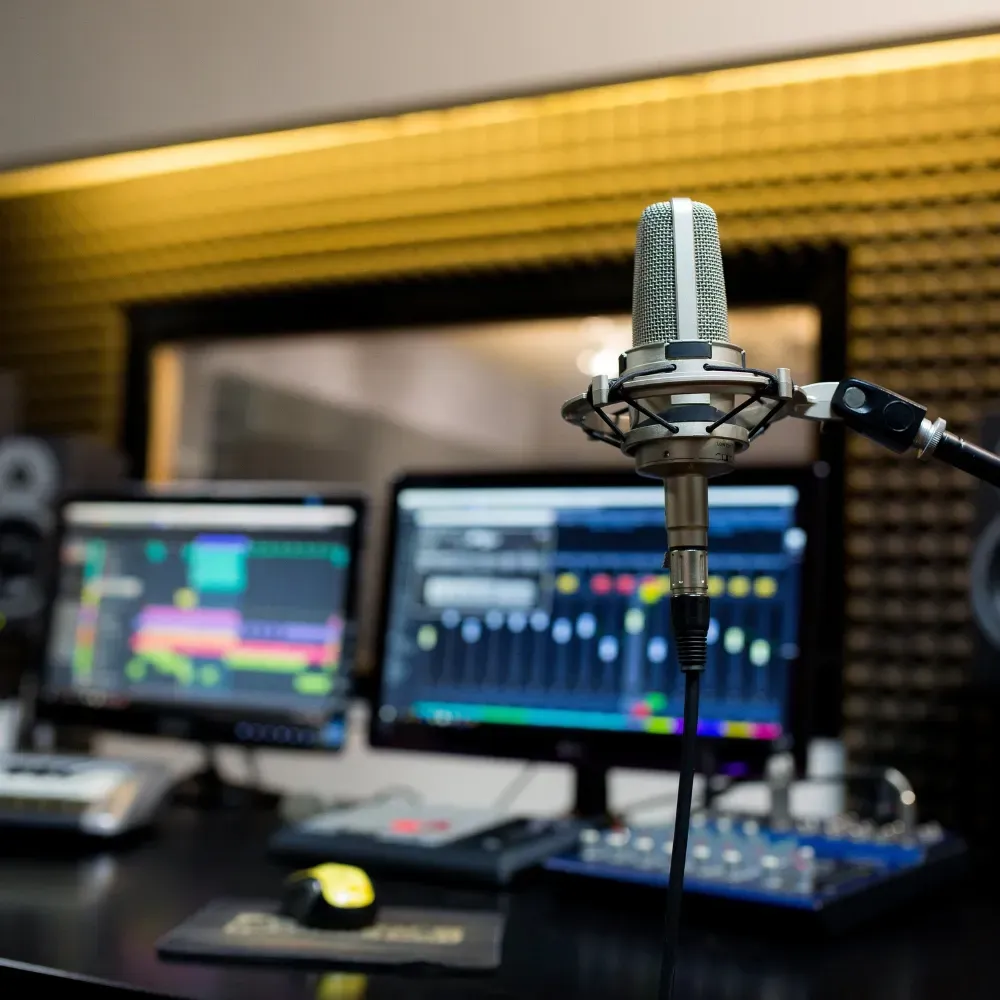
(89,76)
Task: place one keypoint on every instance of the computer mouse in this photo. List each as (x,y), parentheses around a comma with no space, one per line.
(332,897)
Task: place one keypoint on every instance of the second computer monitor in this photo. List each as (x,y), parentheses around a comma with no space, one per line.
(213,618)
(529,617)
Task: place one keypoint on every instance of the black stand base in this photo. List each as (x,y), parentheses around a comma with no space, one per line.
(590,797)
(207,789)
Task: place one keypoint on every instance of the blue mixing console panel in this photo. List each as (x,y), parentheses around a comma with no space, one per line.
(843,871)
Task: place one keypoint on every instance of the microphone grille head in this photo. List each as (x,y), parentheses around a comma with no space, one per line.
(654,279)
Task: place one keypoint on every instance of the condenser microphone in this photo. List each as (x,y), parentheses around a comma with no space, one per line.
(678,386)
(679,317)
(691,403)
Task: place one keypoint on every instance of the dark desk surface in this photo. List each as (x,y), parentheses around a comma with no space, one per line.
(101,916)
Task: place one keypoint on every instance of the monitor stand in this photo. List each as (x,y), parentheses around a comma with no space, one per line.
(590,792)
(208,789)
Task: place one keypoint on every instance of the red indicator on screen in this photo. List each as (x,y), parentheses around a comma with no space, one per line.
(600,583)
(625,584)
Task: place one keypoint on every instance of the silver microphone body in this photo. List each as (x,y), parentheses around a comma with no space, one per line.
(692,404)
(679,315)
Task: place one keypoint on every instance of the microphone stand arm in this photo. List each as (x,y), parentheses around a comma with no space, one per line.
(893,421)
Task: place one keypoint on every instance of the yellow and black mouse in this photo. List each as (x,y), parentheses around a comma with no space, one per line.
(332,897)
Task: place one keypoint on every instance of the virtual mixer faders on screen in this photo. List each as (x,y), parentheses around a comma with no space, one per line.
(546,607)
(201,615)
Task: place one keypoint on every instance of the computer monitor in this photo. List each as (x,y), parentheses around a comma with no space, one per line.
(216,618)
(527,616)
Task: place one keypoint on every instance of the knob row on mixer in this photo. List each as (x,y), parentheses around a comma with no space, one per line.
(734,852)
(845,827)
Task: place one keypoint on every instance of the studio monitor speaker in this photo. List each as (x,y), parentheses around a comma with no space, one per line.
(34,473)
(984,566)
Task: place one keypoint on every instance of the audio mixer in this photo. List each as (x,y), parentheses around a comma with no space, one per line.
(843,871)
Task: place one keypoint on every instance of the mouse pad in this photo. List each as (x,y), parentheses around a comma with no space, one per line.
(253,931)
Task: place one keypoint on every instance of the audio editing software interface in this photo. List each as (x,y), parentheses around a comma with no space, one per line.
(213,604)
(546,606)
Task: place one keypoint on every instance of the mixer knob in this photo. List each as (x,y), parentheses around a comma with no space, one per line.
(732,859)
(865,830)
(590,837)
(724,824)
(616,838)
(930,833)
(644,843)
(836,826)
(774,867)
(805,867)
(895,830)
(750,828)
(699,821)
(701,852)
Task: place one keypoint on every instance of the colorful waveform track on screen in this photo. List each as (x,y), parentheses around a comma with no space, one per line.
(170,640)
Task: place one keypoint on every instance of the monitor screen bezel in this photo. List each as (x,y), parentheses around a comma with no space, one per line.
(201,723)
(602,749)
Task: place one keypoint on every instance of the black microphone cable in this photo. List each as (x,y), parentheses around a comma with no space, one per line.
(689,614)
